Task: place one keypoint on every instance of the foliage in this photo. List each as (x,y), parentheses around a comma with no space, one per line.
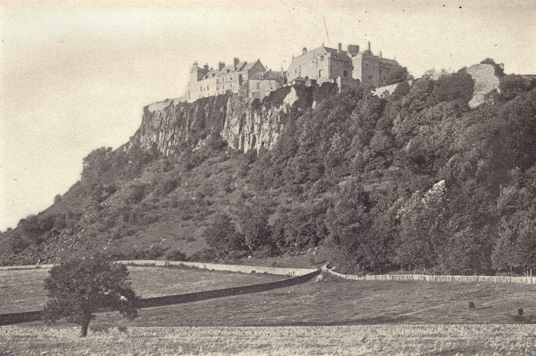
(77,289)
(414,180)
(397,74)
(222,237)
(253,222)
(499,71)
(175,255)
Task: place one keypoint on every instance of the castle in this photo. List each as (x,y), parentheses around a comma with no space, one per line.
(350,68)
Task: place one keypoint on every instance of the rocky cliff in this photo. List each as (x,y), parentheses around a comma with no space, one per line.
(242,122)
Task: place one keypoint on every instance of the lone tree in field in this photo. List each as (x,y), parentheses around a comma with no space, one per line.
(77,289)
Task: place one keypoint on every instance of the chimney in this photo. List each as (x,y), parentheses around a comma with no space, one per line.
(221,65)
(339,50)
(304,50)
(369,46)
(205,67)
(235,62)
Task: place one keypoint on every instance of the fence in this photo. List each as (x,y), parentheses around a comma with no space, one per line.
(14,318)
(430,278)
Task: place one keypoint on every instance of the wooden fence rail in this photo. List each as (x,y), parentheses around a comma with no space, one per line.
(432,278)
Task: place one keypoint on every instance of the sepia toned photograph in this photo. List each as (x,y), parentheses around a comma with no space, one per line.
(232,177)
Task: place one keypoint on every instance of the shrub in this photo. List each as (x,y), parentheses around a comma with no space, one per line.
(175,255)
(150,254)
(18,244)
(206,255)
(136,194)
(222,237)
(167,186)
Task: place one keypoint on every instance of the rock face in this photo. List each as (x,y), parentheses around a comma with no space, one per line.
(242,122)
(485,81)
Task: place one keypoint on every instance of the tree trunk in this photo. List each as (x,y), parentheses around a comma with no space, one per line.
(85,325)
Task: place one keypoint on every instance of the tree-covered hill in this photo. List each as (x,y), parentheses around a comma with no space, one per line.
(414,180)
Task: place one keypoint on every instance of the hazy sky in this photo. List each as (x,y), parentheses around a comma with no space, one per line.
(74,76)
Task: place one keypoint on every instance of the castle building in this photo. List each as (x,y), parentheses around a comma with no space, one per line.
(372,70)
(350,68)
(238,77)
(326,64)
(261,84)
(320,65)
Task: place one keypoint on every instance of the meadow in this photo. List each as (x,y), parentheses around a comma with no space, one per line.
(324,316)
(22,290)
(355,340)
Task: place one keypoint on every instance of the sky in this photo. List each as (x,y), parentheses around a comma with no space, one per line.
(75,75)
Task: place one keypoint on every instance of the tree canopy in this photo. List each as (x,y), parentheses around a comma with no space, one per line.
(77,289)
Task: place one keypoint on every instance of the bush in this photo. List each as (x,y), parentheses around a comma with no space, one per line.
(175,255)
(153,253)
(167,186)
(206,255)
(455,86)
(18,244)
(136,194)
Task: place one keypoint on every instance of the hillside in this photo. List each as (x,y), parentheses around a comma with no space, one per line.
(418,179)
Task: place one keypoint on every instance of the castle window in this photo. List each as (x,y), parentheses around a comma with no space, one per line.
(207,87)
(321,58)
(231,78)
(320,73)
(344,74)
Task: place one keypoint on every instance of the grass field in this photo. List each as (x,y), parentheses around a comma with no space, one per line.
(22,290)
(378,340)
(328,316)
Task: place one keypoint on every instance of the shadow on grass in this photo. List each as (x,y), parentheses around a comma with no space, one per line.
(364,321)
(470,350)
(481,308)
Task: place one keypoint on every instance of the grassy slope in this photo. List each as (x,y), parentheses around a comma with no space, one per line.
(22,290)
(328,302)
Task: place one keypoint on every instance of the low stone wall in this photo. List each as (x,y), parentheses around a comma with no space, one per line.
(15,318)
(429,278)
(223,267)
(201,265)
(47,266)
(226,292)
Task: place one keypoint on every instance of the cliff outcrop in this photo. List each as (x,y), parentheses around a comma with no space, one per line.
(243,123)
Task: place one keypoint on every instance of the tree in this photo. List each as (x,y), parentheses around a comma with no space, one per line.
(222,237)
(77,289)
(349,223)
(397,74)
(253,222)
